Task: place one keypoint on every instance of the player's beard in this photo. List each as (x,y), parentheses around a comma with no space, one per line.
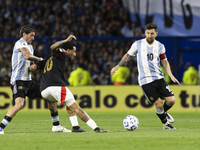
(150,40)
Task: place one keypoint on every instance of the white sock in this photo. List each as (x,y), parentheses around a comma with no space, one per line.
(74,121)
(91,124)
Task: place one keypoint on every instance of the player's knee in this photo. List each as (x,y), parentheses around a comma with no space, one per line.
(18,106)
(74,108)
(172,100)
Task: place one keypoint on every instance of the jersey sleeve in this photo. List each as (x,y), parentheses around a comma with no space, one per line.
(133,50)
(163,55)
(23,44)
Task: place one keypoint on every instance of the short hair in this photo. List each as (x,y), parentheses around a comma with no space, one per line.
(67,45)
(27,29)
(192,64)
(150,26)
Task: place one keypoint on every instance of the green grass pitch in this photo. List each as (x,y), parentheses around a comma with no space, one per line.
(31,130)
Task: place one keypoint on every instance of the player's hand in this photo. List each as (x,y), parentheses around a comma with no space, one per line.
(174,80)
(41,58)
(33,67)
(114,69)
(70,37)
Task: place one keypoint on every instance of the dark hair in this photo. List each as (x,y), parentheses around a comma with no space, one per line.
(67,45)
(192,64)
(150,26)
(27,29)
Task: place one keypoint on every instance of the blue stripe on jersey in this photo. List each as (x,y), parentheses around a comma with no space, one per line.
(151,63)
(19,63)
(140,66)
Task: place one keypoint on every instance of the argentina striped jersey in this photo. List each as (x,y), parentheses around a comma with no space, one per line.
(148,60)
(19,63)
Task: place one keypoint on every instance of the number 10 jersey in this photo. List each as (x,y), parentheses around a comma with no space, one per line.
(148,60)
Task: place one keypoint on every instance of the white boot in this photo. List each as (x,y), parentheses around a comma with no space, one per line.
(60,128)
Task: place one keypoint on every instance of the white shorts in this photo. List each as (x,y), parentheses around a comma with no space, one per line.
(60,94)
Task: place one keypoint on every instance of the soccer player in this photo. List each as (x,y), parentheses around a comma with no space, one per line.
(21,83)
(149,53)
(52,83)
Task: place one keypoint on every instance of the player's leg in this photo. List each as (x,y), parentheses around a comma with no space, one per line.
(19,103)
(74,121)
(64,96)
(55,118)
(169,102)
(169,97)
(34,92)
(160,110)
(152,95)
(162,115)
(82,115)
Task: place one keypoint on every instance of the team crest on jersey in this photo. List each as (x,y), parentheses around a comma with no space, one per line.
(24,43)
(143,49)
(20,87)
(155,50)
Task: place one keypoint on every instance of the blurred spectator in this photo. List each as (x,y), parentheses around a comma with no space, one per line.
(5,79)
(126,29)
(139,32)
(121,75)
(58,19)
(134,76)
(107,76)
(190,76)
(79,77)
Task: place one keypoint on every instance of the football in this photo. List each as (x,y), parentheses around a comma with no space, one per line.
(130,123)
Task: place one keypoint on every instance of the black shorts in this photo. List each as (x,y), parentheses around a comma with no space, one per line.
(156,89)
(26,88)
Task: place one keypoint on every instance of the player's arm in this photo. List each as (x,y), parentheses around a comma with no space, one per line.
(29,56)
(166,66)
(39,65)
(55,46)
(124,60)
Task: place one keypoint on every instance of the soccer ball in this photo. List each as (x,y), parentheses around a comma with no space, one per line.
(130,122)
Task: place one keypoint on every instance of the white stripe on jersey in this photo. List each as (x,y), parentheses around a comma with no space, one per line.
(148,60)
(19,63)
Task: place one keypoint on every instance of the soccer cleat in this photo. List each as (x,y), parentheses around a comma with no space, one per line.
(77,129)
(168,126)
(98,130)
(1,131)
(60,128)
(170,119)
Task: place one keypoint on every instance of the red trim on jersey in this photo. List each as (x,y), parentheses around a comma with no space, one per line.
(162,56)
(63,94)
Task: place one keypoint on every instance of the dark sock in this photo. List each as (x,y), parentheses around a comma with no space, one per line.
(97,128)
(167,106)
(162,117)
(2,125)
(55,119)
(76,127)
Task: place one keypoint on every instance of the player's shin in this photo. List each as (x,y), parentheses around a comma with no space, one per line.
(161,115)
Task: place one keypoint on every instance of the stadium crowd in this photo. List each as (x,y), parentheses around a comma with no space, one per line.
(82,18)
